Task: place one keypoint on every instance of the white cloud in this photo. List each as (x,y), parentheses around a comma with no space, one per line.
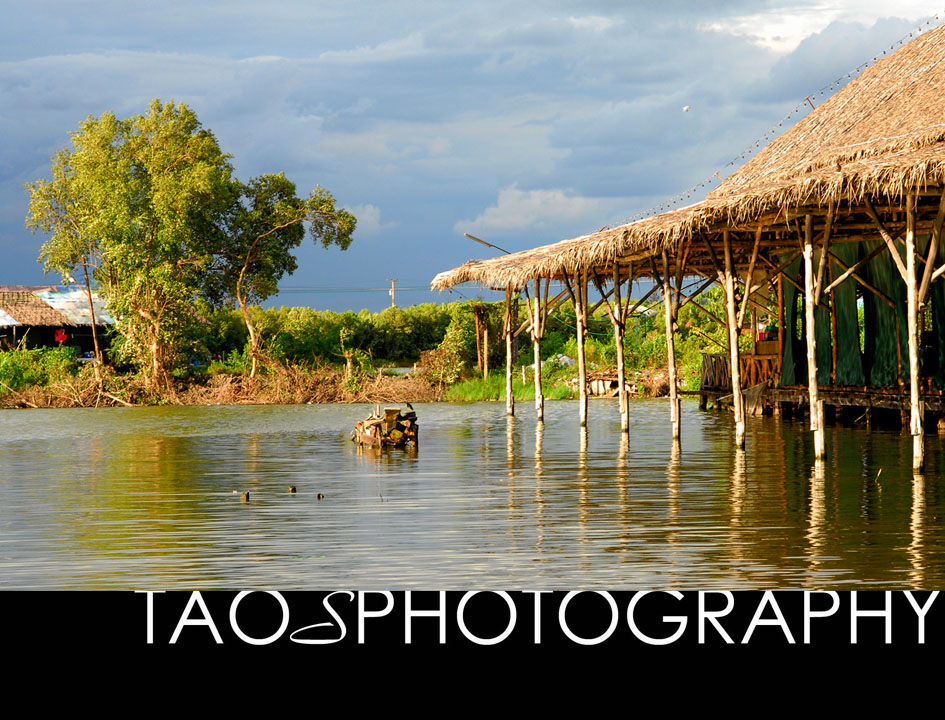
(517,210)
(592,22)
(783,28)
(369,220)
(387,51)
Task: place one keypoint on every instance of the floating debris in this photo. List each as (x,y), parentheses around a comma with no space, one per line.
(244,497)
(393,428)
(291,488)
(320,496)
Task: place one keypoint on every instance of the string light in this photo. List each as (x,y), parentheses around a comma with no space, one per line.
(835,84)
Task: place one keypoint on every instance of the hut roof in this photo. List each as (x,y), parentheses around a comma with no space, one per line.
(637,240)
(883,133)
(48,305)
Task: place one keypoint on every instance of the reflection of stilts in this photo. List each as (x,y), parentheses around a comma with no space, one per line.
(584,514)
(916,521)
(539,500)
(623,473)
(738,489)
(672,476)
(817,519)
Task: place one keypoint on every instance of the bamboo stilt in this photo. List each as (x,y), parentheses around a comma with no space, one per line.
(670,316)
(580,307)
(816,408)
(619,311)
(539,398)
(728,277)
(915,403)
(536,341)
(509,340)
(485,352)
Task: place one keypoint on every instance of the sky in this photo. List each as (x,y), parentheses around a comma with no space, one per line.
(522,123)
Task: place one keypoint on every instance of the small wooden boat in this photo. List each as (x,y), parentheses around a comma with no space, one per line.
(392,428)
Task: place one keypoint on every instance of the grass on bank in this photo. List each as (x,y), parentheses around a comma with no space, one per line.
(493,388)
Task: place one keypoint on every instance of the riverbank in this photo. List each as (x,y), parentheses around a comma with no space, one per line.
(282,386)
(293,386)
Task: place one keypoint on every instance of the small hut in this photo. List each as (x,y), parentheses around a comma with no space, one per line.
(49,315)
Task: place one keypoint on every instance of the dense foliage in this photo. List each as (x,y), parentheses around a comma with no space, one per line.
(150,205)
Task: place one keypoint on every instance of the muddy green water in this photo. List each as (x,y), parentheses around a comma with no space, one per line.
(143,498)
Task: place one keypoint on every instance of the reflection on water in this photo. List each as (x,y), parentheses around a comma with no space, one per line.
(149,498)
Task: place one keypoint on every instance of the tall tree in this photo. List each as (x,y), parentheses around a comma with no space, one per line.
(144,196)
(263,226)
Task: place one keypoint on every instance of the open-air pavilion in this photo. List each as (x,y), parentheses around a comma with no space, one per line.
(843,211)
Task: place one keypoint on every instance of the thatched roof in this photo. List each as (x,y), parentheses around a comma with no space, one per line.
(882,134)
(637,240)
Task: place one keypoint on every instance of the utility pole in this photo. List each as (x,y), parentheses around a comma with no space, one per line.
(393,301)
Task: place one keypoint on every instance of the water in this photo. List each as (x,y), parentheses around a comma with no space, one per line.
(143,498)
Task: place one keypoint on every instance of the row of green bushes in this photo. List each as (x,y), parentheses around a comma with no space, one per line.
(26,367)
(443,337)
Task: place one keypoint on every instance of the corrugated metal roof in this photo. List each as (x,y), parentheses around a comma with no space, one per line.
(6,320)
(74,305)
(48,305)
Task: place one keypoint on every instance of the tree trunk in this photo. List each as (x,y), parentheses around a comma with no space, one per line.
(253,337)
(97,365)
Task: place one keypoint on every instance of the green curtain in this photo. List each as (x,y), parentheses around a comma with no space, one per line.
(933,343)
(881,358)
(791,320)
(849,357)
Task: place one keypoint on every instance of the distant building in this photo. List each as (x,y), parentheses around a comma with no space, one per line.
(50,315)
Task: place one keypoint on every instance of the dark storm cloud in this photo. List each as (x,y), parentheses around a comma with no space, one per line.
(530,121)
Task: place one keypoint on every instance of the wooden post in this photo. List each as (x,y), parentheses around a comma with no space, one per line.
(536,342)
(485,351)
(509,331)
(670,315)
(478,347)
(733,332)
(580,310)
(915,403)
(834,350)
(620,328)
(618,311)
(810,301)
(781,320)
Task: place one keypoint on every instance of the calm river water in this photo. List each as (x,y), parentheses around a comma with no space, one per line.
(143,498)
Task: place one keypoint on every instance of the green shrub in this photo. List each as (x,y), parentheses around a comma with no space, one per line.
(23,367)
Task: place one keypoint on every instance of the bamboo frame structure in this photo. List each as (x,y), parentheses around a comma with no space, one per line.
(867,164)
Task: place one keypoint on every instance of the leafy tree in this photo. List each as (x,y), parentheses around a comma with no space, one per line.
(67,208)
(138,201)
(149,207)
(263,225)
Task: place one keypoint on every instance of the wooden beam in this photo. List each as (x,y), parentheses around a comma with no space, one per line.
(849,273)
(923,292)
(751,269)
(825,247)
(853,268)
(884,234)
